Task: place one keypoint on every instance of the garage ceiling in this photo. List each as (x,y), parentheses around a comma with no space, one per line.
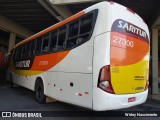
(32,15)
(28,13)
(145,8)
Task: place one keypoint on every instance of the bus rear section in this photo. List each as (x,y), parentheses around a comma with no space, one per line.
(122,80)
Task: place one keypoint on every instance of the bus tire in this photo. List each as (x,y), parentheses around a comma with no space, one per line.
(39,92)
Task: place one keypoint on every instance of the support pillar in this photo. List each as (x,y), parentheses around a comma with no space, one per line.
(155,61)
(12,40)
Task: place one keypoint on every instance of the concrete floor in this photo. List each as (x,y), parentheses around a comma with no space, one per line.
(21,99)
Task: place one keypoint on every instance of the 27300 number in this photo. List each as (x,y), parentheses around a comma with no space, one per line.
(122,41)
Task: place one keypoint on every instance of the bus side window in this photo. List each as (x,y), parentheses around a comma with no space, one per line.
(54,35)
(23,50)
(32,48)
(45,44)
(38,46)
(73,29)
(80,31)
(15,56)
(73,34)
(27,49)
(86,25)
(19,52)
(61,43)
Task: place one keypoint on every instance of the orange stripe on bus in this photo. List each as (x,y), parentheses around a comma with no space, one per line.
(52,28)
(122,55)
(46,62)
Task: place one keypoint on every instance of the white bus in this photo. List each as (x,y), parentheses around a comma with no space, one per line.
(97,58)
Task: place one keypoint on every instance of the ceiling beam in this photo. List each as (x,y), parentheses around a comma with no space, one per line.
(20,11)
(59,12)
(62,10)
(11,26)
(32,19)
(49,8)
(38,15)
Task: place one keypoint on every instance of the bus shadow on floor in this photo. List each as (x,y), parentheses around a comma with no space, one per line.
(22,99)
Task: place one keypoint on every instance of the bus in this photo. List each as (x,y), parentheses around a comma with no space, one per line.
(97,59)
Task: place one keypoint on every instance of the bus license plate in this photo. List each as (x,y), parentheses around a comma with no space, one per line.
(132,99)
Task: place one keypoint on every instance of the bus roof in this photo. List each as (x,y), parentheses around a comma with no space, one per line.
(97,6)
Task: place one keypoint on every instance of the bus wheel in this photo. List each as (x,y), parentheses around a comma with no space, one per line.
(39,92)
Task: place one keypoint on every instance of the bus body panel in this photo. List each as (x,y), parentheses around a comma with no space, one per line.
(101,45)
(73,88)
(129,51)
(72,76)
(103,17)
(76,69)
(106,101)
(21,80)
(65,79)
(128,81)
(76,60)
(101,54)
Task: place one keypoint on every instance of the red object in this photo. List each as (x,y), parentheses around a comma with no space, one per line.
(86,92)
(132,99)
(2,60)
(111,2)
(79,94)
